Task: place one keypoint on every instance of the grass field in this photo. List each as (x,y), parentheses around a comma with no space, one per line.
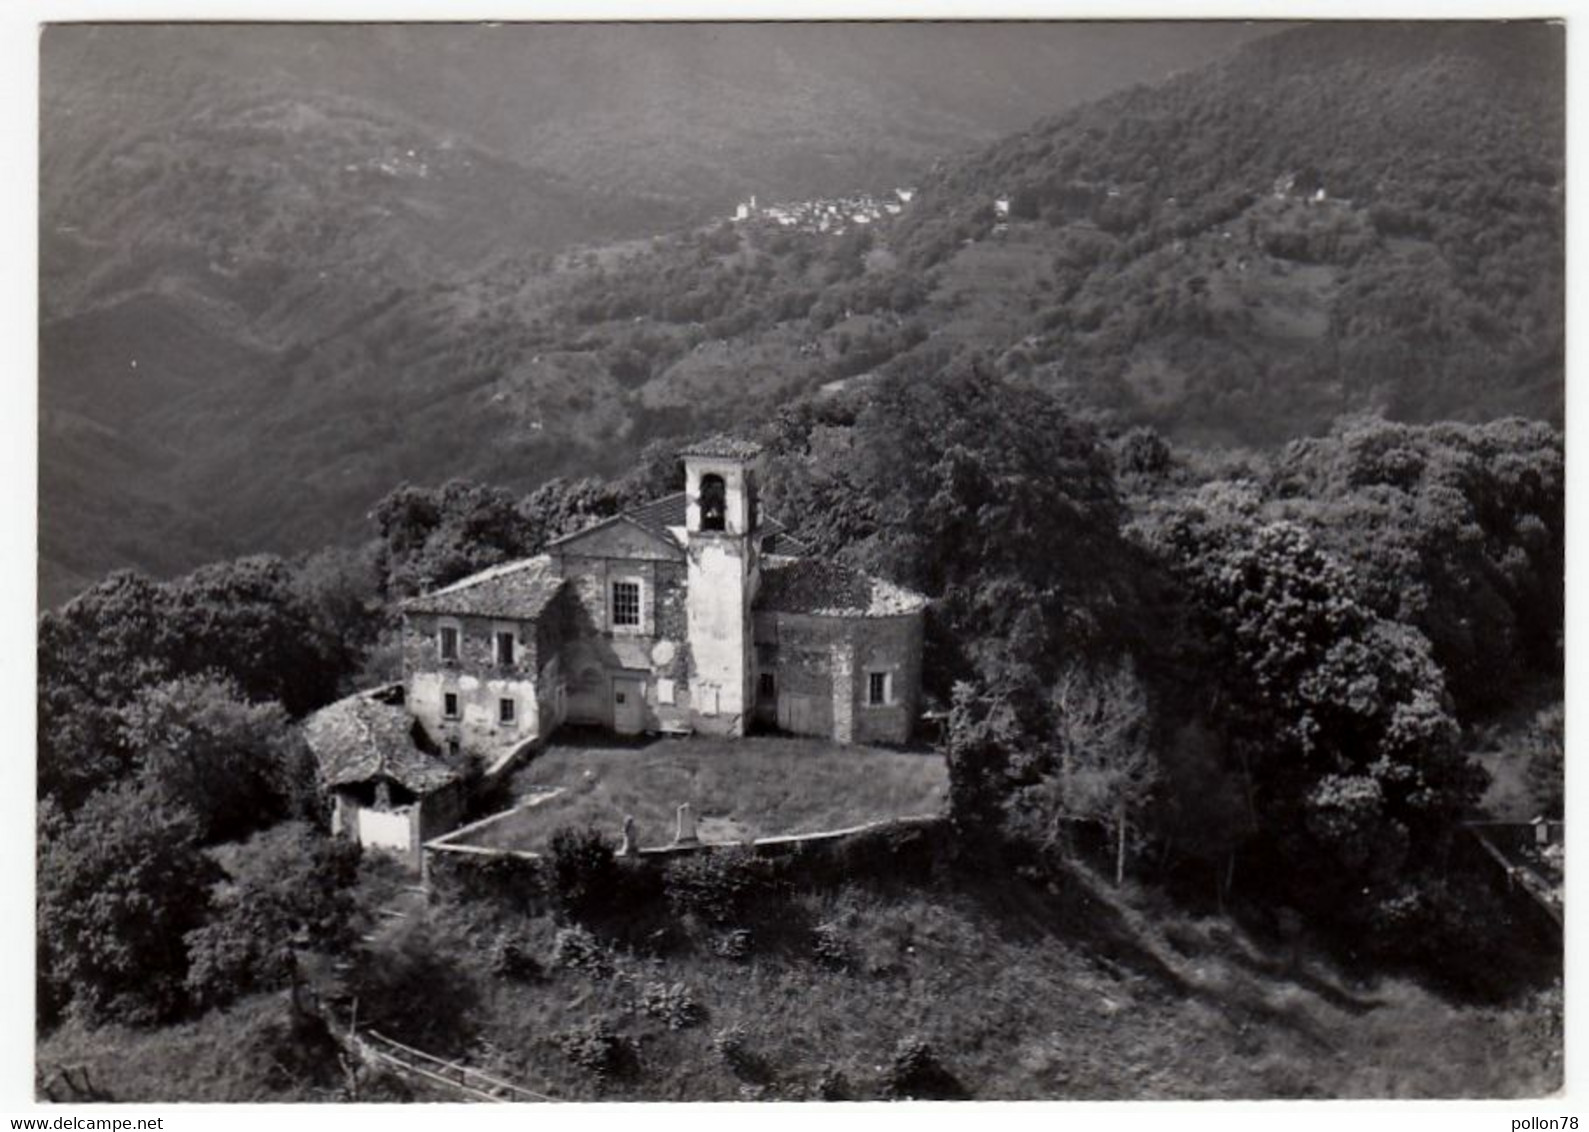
(739,788)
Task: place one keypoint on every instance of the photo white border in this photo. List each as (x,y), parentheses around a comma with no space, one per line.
(19,30)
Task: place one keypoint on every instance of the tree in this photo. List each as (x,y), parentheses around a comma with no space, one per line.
(233,764)
(291,887)
(243,619)
(986,496)
(431,536)
(1544,751)
(980,751)
(1340,717)
(119,887)
(1101,766)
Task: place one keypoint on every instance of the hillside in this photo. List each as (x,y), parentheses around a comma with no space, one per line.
(254,241)
(324,299)
(1016,992)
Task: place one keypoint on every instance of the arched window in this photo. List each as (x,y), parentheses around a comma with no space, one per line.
(714,503)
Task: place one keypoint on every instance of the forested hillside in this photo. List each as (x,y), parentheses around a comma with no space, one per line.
(258,244)
(1213,728)
(1333,219)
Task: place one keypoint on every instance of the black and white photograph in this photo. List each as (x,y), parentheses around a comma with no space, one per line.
(797,561)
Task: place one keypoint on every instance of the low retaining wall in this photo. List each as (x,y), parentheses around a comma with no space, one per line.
(517,873)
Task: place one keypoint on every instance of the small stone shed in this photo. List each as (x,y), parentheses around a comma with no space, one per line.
(389,792)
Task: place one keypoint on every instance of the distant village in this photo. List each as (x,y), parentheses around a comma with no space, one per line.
(830,215)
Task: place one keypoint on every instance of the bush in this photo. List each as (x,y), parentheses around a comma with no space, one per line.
(732,944)
(732,1044)
(914,1072)
(584,876)
(600,1052)
(575,949)
(418,985)
(830,947)
(718,886)
(832,1085)
(671,1003)
(510,960)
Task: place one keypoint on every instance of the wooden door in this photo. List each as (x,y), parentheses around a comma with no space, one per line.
(804,715)
(628,705)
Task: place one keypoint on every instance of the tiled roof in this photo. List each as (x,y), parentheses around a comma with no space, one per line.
(818,586)
(518,590)
(360,738)
(660,514)
(723,447)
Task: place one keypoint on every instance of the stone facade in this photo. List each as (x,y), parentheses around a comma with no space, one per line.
(821,668)
(460,701)
(654,620)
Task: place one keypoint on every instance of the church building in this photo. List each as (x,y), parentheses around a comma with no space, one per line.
(686,614)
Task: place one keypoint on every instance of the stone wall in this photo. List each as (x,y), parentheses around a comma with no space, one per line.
(891,645)
(479,682)
(655,654)
(829,659)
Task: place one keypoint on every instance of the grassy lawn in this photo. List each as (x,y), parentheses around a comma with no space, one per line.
(739,788)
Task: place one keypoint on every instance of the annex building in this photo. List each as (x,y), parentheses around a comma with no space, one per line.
(689,613)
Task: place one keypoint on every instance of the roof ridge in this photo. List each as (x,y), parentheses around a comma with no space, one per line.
(501,569)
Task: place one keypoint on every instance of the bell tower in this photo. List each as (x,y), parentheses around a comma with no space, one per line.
(722,520)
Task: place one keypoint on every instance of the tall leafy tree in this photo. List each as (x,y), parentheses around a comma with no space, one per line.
(236,765)
(1340,717)
(290,887)
(118,888)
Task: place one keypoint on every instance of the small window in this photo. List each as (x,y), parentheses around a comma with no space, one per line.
(505,643)
(626,603)
(449,643)
(507,711)
(449,705)
(766,687)
(877,689)
(714,503)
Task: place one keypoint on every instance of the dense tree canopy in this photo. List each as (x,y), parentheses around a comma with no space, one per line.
(118,888)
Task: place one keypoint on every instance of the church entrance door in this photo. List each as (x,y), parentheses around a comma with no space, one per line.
(628,705)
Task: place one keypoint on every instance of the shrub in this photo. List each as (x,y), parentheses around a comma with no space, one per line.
(575,949)
(830,947)
(915,1072)
(600,1052)
(718,886)
(510,960)
(732,1044)
(584,876)
(832,1085)
(732,944)
(419,985)
(671,1003)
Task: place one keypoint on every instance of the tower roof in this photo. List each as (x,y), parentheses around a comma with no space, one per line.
(723,447)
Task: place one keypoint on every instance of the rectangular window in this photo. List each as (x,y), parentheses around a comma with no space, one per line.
(449,705)
(876,689)
(449,643)
(507,711)
(626,603)
(505,645)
